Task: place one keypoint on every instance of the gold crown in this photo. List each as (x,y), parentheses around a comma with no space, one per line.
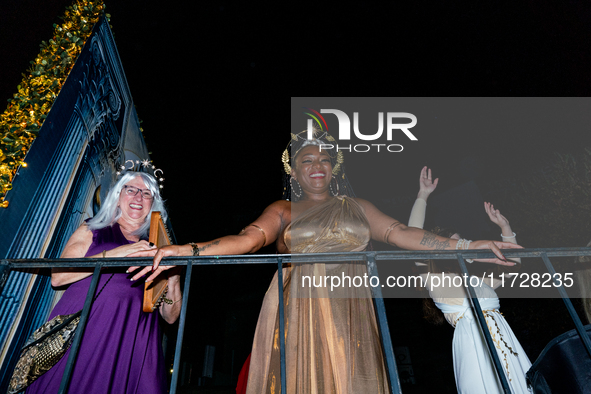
(295,137)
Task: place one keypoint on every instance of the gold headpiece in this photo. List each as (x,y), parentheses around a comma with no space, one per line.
(286,159)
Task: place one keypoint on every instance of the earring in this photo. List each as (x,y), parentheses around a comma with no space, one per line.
(293,188)
(330,186)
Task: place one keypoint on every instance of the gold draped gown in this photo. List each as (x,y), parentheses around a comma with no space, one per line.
(332,343)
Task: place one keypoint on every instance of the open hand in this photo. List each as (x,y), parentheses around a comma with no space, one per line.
(156,269)
(495,247)
(426,184)
(495,216)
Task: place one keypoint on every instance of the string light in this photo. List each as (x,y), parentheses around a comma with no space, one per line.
(28,108)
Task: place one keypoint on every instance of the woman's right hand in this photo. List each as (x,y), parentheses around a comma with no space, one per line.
(426,184)
(506,233)
(126,250)
(495,215)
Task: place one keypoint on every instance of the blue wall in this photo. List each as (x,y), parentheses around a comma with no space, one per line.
(91,129)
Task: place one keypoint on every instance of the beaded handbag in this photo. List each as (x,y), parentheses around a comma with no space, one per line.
(44,348)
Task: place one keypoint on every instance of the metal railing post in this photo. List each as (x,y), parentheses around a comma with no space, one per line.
(382,321)
(4,271)
(80,330)
(182,319)
(484,327)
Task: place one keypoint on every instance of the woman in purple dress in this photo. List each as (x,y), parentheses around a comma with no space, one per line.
(121,349)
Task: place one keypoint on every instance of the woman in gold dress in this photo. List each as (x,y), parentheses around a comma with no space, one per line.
(332,343)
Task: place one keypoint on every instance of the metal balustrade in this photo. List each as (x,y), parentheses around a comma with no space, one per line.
(369,257)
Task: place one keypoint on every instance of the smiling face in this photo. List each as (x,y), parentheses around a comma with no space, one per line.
(313,170)
(134,208)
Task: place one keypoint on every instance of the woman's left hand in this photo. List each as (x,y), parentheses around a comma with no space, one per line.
(170,311)
(495,247)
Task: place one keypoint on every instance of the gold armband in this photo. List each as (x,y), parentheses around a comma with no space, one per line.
(260,229)
(388,231)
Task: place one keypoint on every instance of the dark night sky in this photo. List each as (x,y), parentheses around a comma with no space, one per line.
(208,78)
(211,80)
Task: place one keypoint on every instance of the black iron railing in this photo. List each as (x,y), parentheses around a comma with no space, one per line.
(369,257)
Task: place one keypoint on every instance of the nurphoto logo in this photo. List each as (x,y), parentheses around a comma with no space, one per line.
(345,130)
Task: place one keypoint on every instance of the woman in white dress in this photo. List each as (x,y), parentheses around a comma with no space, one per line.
(473,367)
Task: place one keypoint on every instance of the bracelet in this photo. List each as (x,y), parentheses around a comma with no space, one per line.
(169,301)
(104,254)
(510,236)
(464,244)
(467,245)
(195,248)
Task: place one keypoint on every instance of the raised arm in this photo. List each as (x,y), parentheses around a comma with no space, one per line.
(497,218)
(426,187)
(262,232)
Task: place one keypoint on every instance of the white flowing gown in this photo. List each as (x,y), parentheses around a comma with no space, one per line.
(473,366)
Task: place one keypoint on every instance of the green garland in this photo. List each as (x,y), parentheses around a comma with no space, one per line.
(28,108)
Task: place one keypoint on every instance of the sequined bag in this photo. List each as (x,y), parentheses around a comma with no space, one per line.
(44,348)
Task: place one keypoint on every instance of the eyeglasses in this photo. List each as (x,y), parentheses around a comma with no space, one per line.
(133,191)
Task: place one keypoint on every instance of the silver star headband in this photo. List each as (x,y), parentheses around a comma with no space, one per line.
(142,166)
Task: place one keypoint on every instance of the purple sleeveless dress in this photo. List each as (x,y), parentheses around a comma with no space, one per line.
(121,351)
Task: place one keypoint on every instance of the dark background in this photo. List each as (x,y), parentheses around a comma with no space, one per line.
(211,82)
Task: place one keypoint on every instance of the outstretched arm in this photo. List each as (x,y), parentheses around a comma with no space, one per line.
(263,231)
(388,230)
